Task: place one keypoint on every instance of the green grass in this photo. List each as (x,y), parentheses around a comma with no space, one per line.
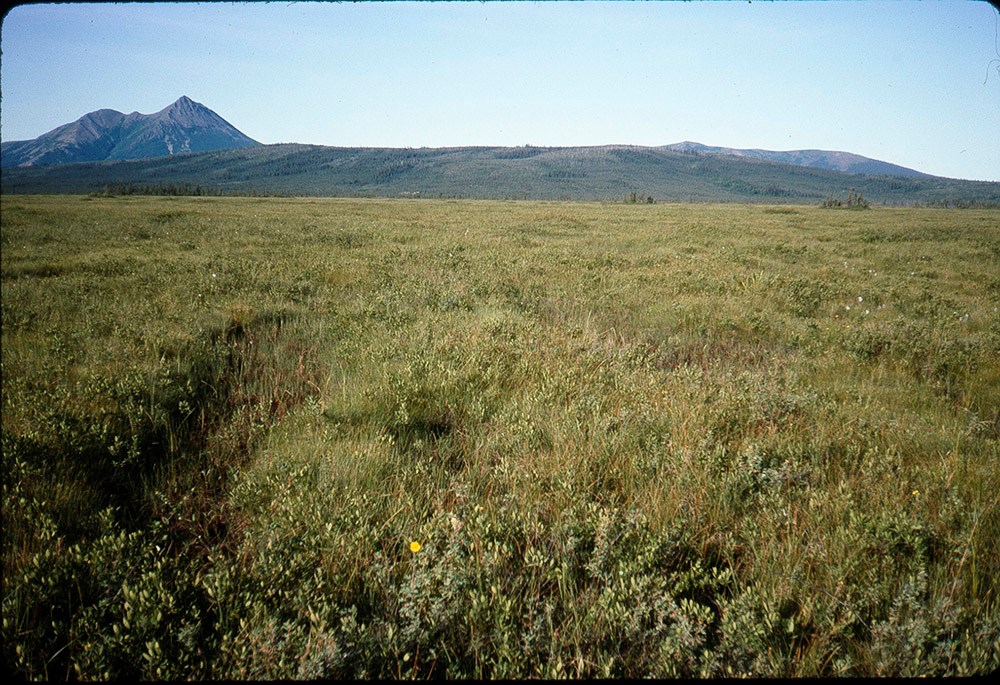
(631,440)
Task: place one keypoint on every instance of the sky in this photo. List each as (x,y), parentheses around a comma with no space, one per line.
(912,82)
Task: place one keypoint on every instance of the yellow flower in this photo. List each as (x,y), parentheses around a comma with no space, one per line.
(414,546)
(916,492)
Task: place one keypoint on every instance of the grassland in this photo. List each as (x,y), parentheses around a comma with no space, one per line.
(628,440)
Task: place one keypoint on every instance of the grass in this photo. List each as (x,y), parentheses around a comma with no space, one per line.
(630,440)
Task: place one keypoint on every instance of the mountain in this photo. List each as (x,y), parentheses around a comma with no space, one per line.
(106,149)
(607,172)
(184,126)
(818,159)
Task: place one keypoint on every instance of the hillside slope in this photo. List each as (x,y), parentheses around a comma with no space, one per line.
(819,159)
(609,172)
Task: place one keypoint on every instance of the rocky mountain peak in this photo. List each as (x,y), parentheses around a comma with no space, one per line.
(184,126)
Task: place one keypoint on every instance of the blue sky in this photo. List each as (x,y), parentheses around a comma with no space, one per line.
(916,83)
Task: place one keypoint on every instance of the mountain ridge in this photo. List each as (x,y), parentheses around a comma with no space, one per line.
(183,126)
(189,126)
(610,172)
(106,148)
(834,160)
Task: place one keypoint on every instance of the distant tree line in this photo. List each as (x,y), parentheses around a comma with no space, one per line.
(855,200)
(737,185)
(176,189)
(634,198)
(960,204)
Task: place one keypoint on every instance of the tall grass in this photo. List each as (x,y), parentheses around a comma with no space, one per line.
(661,440)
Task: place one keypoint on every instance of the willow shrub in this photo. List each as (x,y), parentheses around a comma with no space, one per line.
(255,438)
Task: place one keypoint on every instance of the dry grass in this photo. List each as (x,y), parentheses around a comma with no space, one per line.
(667,440)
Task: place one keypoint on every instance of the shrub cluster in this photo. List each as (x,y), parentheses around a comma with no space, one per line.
(276,439)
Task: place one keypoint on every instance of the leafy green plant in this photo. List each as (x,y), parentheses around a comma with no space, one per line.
(249,438)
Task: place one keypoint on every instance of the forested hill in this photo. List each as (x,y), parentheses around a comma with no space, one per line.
(611,172)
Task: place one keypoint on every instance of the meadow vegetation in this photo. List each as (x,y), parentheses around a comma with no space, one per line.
(628,439)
